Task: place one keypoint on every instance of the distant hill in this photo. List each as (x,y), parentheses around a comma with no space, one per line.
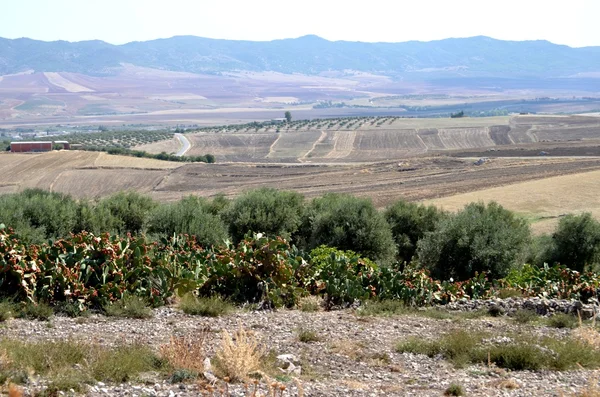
(469,57)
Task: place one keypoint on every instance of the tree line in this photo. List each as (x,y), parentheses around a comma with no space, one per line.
(479,238)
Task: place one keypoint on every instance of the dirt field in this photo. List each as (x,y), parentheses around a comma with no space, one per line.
(86,174)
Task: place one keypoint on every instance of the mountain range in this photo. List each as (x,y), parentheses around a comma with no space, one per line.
(458,57)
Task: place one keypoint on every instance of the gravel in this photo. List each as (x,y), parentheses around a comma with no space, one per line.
(354,356)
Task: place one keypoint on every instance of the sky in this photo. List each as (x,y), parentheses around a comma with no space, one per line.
(570,22)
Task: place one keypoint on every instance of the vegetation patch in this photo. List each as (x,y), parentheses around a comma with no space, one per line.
(200,306)
(514,353)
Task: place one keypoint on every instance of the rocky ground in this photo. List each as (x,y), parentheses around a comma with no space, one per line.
(354,355)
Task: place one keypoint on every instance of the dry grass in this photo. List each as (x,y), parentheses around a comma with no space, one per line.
(541,201)
(509,384)
(349,348)
(239,355)
(186,352)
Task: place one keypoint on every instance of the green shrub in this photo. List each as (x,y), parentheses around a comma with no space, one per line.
(37,215)
(124,363)
(129,307)
(130,211)
(524,316)
(35,311)
(381,308)
(265,210)
(209,307)
(409,223)
(562,320)
(347,223)
(191,215)
(7,310)
(454,389)
(307,336)
(478,239)
(576,242)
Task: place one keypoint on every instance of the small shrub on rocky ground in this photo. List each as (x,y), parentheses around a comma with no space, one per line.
(238,356)
(525,316)
(68,364)
(454,389)
(35,311)
(186,354)
(129,307)
(307,336)
(505,293)
(562,320)
(522,353)
(214,306)
(495,311)
(310,304)
(382,308)
(7,310)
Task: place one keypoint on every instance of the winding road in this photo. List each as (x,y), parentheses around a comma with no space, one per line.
(185,145)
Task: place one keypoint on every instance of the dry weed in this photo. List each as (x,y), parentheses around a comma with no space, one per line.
(349,348)
(14,391)
(239,355)
(186,352)
(589,334)
(510,384)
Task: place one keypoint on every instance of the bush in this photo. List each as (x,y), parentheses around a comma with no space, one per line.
(129,307)
(35,311)
(454,389)
(410,222)
(37,215)
(130,211)
(478,239)
(192,216)
(275,213)
(347,223)
(576,242)
(562,320)
(208,307)
(524,316)
(307,336)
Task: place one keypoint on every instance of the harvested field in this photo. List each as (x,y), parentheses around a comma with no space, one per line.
(170,146)
(290,144)
(392,138)
(542,201)
(230,147)
(87,174)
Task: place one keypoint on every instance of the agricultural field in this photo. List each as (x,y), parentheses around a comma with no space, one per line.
(364,139)
(543,202)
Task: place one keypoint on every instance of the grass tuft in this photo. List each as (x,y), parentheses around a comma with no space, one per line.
(562,320)
(382,308)
(129,307)
(35,311)
(310,304)
(525,316)
(307,336)
(454,389)
(208,307)
(7,310)
(124,363)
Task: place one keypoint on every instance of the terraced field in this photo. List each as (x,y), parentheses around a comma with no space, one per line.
(380,139)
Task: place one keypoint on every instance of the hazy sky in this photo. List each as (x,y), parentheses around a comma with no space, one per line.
(571,22)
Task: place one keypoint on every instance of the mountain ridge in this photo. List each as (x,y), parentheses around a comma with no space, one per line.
(478,56)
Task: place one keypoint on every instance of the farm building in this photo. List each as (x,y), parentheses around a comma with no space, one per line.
(40,146)
(22,147)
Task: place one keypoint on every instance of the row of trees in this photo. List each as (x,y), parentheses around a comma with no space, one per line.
(480,238)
